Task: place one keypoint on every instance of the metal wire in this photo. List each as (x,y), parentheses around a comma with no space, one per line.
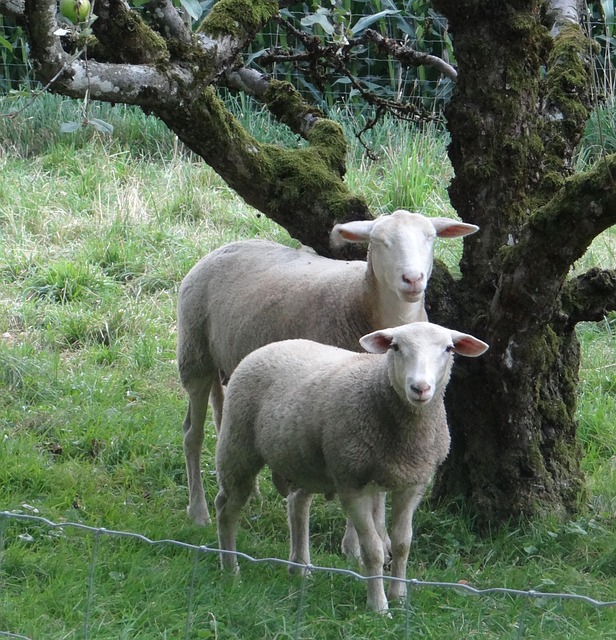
(198,550)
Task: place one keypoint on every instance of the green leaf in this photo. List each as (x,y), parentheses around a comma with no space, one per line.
(320,18)
(193,8)
(69,127)
(6,44)
(366,21)
(101,125)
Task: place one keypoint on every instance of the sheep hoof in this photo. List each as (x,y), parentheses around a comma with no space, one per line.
(199,515)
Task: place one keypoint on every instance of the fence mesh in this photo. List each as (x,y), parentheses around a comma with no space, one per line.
(295,627)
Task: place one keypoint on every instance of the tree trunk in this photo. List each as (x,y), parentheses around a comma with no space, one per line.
(512,412)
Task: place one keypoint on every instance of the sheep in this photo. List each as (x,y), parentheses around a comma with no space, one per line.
(331,421)
(247,294)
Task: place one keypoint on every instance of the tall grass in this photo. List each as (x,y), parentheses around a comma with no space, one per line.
(96,233)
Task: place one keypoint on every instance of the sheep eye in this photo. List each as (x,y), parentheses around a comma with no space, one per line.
(450,349)
(395,347)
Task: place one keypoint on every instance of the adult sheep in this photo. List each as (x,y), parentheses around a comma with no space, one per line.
(247,294)
(327,420)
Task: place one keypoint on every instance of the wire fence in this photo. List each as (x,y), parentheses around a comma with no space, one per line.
(197,551)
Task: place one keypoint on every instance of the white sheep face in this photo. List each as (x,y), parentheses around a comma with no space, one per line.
(421,355)
(401,249)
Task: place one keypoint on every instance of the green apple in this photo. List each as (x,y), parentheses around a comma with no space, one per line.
(75,10)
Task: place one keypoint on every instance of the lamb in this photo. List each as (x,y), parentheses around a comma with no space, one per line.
(247,294)
(327,420)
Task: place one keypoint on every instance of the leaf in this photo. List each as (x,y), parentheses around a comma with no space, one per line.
(253,56)
(366,21)
(193,8)
(70,127)
(320,18)
(101,125)
(6,44)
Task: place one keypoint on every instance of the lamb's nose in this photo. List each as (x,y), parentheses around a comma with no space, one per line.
(420,388)
(413,280)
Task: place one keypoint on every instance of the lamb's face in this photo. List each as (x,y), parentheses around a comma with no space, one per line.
(421,363)
(420,357)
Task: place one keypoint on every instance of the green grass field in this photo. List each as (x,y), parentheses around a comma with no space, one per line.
(96,233)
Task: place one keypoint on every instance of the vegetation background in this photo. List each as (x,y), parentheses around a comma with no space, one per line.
(96,233)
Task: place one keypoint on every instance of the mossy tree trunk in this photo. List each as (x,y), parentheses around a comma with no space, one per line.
(519,109)
(521,99)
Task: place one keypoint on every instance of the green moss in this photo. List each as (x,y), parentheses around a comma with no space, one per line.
(326,137)
(287,104)
(238,18)
(567,97)
(285,178)
(139,43)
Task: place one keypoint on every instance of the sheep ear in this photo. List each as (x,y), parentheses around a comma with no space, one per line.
(377,341)
(447,228)
(356,231)
(467,345)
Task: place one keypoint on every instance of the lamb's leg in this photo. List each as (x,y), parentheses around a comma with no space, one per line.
(378,513)
(350,541)
(228,508)
(404,504)
(298,511)
(237,466)
(359,509)
(198,393)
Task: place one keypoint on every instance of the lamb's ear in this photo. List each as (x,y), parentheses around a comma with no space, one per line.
(467,345)
(447,228)
(356,231)
(377,341)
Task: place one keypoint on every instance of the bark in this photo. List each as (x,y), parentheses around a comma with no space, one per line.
(512,413)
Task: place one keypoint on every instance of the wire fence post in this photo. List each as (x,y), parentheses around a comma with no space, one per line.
(522,620)
(408,609)
(191,591)
(3,523)
(90,591)
(301,601)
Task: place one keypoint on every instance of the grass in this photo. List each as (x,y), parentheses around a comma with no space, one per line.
(96,233)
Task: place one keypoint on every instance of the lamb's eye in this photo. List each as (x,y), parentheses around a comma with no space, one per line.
(395,347)
(450,349)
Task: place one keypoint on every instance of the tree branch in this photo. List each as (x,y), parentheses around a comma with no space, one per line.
(590,296)
(300,188)
(169,22)
(13,9)
(567,102)
(535,267)
(123,36)
(563,12)
(406,55)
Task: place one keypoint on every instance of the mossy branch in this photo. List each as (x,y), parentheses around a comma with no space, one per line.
(123,36)
(301,189)
(534,269)
(590,296)
(567,101)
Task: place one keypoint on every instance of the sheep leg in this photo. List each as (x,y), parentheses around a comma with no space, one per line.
(228,508)
(350,541)
(193,442)
(404,504)
(217,396)
(360,509)
(298,511)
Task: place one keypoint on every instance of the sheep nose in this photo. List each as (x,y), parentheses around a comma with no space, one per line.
(413,280)
(420,388)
